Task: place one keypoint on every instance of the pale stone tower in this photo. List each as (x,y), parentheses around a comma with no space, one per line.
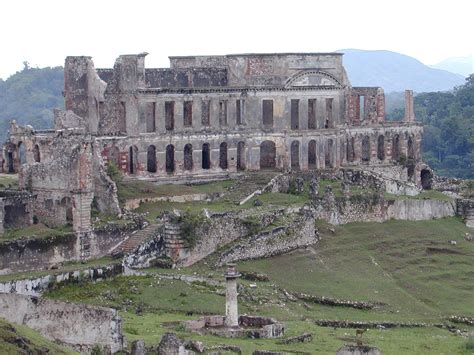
(231,310)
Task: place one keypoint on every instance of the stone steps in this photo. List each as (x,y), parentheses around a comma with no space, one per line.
(135,240)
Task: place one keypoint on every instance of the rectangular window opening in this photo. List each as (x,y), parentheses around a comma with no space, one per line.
(169,115)
(295,114)
(188,114)
(267,108)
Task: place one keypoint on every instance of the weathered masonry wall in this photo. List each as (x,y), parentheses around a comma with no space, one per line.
(42,253)
(76,325)
(36,286)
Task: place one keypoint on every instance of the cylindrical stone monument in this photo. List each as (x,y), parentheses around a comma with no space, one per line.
(231,309)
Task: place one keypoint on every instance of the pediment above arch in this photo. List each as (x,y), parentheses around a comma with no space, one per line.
(313,79)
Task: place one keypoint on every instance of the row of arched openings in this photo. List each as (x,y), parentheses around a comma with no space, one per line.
(267,154)
(188,162)
(366,148)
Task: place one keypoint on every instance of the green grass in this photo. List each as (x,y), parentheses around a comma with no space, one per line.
(408,266)
(38,231)
(33,343)
(8,181)
(146,189)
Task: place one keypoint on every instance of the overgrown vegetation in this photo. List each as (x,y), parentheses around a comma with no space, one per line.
(37,231)
(448,118)
(29,97)
(18,339)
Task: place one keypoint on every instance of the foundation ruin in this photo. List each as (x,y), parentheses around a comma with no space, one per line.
(232,325)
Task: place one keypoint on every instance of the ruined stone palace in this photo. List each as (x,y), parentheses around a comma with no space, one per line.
(204,117)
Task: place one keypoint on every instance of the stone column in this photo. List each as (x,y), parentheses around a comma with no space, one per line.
(231,310)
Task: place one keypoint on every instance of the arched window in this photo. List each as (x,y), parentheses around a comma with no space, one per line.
(241,156)
(411,148)
(295,154)
(366,148)
(170,159)
(381,148)
(350,149)
(151,159)
(36,153)
(267,155)
(312,154)
(188,157)
(206,156)
(223,164)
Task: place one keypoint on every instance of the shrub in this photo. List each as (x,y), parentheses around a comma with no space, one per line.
(114,172)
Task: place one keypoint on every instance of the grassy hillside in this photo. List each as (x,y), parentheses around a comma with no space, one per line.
(408,269)
(18,339)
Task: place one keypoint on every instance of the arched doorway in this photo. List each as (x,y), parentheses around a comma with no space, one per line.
(36,153)
(312,154)
(151,159)
(170,159)
(411,148)
(241,156)
(188,157)
(329,154)
(350,151)
(426,179)
(366,149)
(295,155)
(223,163)
(206,156)
(21,153)
(132,160)
(267,155)
(381,147)
(396,148)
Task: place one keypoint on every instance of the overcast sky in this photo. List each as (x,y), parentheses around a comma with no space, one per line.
(44,32)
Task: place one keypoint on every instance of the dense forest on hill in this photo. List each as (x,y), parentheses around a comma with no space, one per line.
(448,143)
(29,97)
(448,117)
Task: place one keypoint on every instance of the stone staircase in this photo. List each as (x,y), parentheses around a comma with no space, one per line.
(175,247)
(130,244)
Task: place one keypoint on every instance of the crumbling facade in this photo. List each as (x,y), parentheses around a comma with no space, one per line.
(205,116)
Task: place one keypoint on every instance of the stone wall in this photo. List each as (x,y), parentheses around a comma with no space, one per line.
(37,253)
(29,254)
(76,325)
(301,233)
(215,232)
(374,208)
(35,286)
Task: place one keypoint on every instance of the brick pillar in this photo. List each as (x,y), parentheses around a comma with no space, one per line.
(380,102)
(409,112)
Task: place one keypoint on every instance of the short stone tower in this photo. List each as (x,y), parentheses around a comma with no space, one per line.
(231,309)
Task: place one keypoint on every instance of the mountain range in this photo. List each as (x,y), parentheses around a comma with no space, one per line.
(458,65)
(396,72)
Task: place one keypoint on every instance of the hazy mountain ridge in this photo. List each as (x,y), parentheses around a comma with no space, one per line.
(395,72)
(459,65)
